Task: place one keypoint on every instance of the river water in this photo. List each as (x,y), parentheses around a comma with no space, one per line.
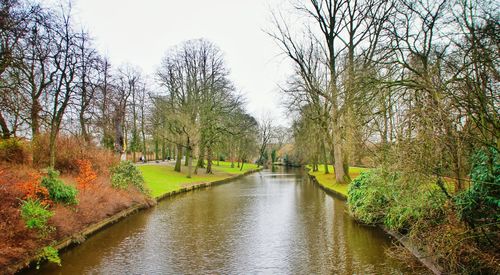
(271,223)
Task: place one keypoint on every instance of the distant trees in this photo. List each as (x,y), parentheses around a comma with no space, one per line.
(202,109)
(265,137)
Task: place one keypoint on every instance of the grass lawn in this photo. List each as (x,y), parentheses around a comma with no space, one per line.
(225,166)
(161,179)
(328,180)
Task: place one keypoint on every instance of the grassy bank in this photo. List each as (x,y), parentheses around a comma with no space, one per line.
(328,180)
(161,178)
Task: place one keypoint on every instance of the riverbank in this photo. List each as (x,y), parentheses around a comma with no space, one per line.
(328,184)
(327,181)
(424,228)
(163,182)
(35,233)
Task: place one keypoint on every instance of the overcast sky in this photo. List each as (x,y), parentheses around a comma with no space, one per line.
(139,33)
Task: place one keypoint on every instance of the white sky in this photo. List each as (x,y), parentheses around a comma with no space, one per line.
(140,32)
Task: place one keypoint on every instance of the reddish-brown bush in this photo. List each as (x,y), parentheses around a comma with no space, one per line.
(69,151)
(17,242)
(14,151)
(95,204)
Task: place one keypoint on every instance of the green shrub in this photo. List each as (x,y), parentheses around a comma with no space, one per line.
(378,197)
(35,215)
(50,254)
(479,206)
(367,199)
(58,191)
(126,174)
(412,205)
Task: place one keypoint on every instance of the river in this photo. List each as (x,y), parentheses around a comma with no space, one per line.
(271,223)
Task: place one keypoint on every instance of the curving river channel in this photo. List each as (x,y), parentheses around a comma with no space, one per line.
(272,223)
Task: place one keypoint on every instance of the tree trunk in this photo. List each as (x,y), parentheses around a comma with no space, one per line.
(325,159)
(119,140)
(190,163)
(231,155)
(157,149)
(35,118)
(209,160)
(5,129)
(163,150)
(144,149)
(315,164)
(340,175)
(178,161)
(52,147)
(83,126)
(188,153)
(201,158)
(188,158)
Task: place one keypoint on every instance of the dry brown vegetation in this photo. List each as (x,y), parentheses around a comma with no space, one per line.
(455,247)
(95,202)
(69,151)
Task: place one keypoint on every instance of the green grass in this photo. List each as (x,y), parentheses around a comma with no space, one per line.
(162,179)
(328,180)
(225,166)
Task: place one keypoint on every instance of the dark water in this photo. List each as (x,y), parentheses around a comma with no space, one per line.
(273,223)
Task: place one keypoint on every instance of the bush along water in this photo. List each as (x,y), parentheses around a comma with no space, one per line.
(393,199)
(36,215)
(58,191)
(50,254)
(126,174)
(460,232)
(39,195)
(367,198)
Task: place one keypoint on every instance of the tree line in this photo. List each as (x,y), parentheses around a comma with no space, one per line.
(53,80)
(410,85)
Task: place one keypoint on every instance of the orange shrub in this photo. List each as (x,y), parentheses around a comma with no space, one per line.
(32,189)
(87,176)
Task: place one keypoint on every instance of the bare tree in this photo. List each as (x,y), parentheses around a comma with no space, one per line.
(265,135)
(66,60)
(198,97)
(89,79)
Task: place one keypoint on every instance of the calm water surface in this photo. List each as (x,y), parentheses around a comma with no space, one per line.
(272,223)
